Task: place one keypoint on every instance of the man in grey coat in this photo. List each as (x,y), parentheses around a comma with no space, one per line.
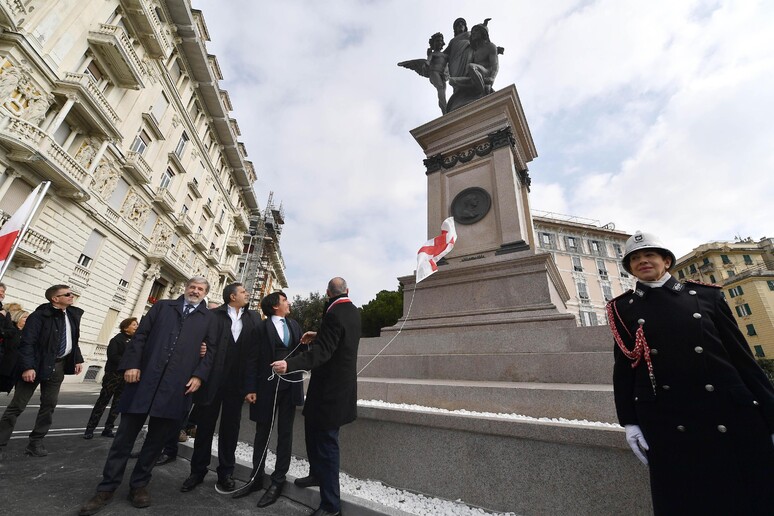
(162,367)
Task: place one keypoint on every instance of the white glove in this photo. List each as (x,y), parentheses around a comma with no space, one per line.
(637,442)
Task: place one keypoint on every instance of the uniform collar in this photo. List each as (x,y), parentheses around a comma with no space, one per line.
(671,285)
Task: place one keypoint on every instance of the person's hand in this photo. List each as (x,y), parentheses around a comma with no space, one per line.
(637,442)
(78,368)
(28,375)
(251,397)
(203,350)
(193,385)
(132,375)
(308,337)
(279,367)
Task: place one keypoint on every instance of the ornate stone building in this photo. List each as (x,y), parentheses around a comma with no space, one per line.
(118,104)
(588,257)
(745,270)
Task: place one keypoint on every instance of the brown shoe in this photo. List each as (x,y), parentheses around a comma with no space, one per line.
(97,502)
(182,437)
(140,497)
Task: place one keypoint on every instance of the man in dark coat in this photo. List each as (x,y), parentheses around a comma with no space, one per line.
(331,400)
(696,407)
(48,350)
(222,394)
(162,367)
(112,381)
(277,338)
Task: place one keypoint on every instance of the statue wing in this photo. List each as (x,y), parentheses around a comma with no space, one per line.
(418,65)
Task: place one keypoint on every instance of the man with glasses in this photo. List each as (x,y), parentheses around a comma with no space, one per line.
(48,350)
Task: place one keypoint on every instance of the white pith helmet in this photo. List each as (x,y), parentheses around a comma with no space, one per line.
(639,241)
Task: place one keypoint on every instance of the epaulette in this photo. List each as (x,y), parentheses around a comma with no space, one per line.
(630,291)
(702,283)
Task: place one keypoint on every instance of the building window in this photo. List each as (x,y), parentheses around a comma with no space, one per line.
(706,261)
(751,330)
(743,310)
(747,259)
(623,272)
(166,178)
(681,274)
(583,291)
(126,277)
(725,259)
(140,143)
(602,268)
(731,274)
(91,249)
(572,244)
(736,291)
(607,292)
(184,210)
(597,248)
(770,283)
(618,250)
(546,240)
(712,278)
(759,351)
(576,264)
(692,269)
(588,318)
(181,145)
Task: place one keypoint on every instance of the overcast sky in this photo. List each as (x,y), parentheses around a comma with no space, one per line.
(653,115)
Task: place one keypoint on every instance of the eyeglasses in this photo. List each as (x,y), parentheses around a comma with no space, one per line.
(69,294)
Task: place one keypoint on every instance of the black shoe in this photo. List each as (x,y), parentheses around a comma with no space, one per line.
(36,449)
(88,434)
(139,497)
(250,487)
(321,512)
(271,495)
(307,481)
(225,485)
(108,432)
(96,503)
(165,459)
(191,482)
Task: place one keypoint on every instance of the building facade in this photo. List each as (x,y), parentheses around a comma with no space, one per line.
(118,104)
(588,257)
(745,270)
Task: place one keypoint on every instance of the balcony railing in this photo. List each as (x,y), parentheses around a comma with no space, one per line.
(200,241)
(234,244)
(213,256)
(95,97)
(30,145)
(184,224)
(241,220)
(80,276)
(13,12)
(34,249)
(164,198)
(114,50)
(148,28)
(137,166)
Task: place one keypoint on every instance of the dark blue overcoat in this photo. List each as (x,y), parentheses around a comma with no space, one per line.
(166,351)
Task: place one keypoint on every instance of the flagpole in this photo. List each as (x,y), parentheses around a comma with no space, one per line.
(38,200)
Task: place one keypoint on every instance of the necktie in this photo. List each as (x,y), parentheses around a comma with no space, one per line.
(63,338)
(285,333)
(187,310)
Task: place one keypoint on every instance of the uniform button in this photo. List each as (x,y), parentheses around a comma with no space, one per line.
(640,321)
(756,403)
(692,292)
(666,387)
(709,387)
(697,315)
(631,301)
(680,428)
(698,349)
(654,352)
(722,429)
(637,398)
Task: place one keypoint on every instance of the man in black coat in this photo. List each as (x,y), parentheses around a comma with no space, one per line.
(162,367)
(222,394)
(112,381)
(331,400)
(276,338)
(48,350)
(695,406)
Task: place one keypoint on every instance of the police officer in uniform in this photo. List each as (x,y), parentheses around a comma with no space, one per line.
(697,408)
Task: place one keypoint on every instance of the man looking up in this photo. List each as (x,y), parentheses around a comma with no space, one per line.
(332,395)
(48,350)
(161,367)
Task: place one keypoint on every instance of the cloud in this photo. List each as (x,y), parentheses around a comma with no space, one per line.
(656,116)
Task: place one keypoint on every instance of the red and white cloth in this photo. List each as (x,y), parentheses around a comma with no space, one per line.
(435,249)
(15,224)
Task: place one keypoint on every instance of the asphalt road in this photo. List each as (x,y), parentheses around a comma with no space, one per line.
(67,477)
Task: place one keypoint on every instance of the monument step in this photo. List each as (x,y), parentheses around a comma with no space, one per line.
(591,402)
(593,367)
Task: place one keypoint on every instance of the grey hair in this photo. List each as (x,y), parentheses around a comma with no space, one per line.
(200,280)
(337,286)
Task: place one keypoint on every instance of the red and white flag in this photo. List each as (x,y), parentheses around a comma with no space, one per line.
(13,228)
(435,249)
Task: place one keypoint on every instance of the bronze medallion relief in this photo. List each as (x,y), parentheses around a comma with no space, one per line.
(471,205)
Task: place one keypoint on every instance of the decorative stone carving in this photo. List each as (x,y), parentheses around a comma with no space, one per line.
(162,234)
(500,138)
(135,209)
(37,107)
(153,272)
(86,152)
(471,205)
(176,120)
(9,82)
(105,179)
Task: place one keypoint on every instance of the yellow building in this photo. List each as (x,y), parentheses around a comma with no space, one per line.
(588,256)
(744,270)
